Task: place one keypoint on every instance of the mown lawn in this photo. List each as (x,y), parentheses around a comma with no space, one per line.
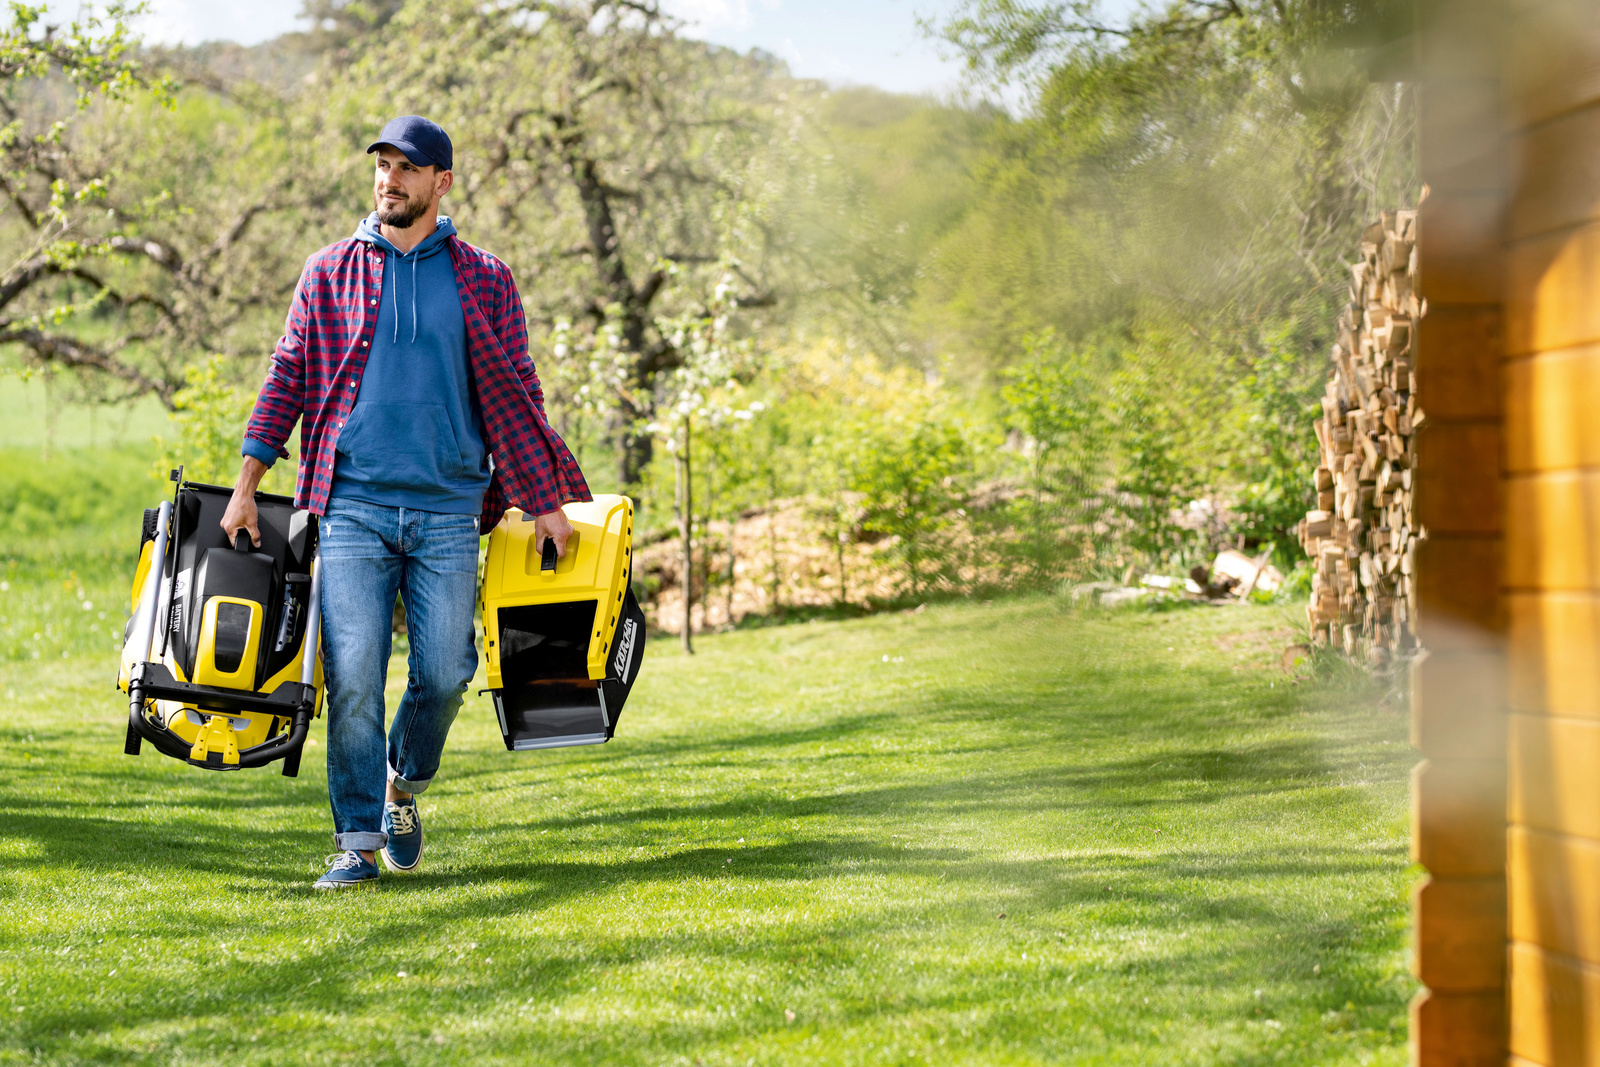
(998,833)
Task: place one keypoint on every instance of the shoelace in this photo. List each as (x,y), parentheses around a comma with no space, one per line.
(404,817)
(343,861)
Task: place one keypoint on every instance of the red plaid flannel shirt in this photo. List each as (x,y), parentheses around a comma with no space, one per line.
(316,372)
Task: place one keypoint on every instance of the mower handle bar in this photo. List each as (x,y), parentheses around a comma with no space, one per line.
(258,756)
(144,624)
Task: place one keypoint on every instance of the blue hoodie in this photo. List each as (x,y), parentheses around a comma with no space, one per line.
(415,436)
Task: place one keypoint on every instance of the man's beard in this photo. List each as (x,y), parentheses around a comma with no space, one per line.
(400,216)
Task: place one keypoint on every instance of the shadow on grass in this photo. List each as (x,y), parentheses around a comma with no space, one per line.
(1253,938)
(1181,755)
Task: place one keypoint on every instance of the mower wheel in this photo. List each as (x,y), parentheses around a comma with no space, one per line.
(148,534)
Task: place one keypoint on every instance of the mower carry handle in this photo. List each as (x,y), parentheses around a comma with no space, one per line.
(241,540)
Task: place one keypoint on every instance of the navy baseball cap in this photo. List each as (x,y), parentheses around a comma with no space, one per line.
(424,143)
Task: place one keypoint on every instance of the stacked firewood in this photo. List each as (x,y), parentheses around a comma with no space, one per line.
(1362,537)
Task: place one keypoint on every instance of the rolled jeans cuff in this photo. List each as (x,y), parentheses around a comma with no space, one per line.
(406,785)
(360,841)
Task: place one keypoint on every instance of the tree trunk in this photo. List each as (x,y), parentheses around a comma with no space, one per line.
(772,547)
(707,547)
(637,449)
(844,593)
(633,301)
(730,572)
(686,531)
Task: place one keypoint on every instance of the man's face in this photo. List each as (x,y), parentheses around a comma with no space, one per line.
(402,192)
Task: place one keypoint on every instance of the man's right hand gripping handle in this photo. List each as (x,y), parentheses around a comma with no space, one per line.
(241,513)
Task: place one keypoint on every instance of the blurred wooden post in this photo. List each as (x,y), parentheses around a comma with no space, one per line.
(1458,708)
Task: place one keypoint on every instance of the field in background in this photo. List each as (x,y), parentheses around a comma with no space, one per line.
(980,833)
(33,416)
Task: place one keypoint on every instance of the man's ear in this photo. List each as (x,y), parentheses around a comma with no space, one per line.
(445,181)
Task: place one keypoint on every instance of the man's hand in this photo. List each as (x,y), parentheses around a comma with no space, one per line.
(555,527)
(241,513)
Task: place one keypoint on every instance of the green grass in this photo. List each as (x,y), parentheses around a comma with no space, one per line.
(43,420)
(69,536)
(999,834)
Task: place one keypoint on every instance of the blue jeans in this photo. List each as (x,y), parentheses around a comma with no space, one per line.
(369,553)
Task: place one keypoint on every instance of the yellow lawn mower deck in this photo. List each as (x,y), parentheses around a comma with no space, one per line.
(221,662)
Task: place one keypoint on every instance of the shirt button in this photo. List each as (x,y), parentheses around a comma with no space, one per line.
(363,344)
(374,303)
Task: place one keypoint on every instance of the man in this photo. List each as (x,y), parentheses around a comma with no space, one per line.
(405,357)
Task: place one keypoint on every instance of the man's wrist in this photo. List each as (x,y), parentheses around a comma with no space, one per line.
(251,471)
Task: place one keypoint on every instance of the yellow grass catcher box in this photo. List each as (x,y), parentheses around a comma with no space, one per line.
(563,639)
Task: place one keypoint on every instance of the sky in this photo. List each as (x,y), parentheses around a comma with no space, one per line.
(859,42)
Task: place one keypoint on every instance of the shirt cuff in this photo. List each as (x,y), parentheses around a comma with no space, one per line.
(259,450)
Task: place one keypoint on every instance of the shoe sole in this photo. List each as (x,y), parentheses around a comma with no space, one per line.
(343,885)
(390,863)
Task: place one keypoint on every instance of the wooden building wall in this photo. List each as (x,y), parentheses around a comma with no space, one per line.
(1551,385)
(1507,705)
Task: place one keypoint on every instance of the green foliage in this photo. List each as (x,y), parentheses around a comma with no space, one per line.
(1156,482)
(210,415)
(1053,403)
(911,473)
(1275,457)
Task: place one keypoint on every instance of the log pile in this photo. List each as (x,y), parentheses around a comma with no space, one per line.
(1362,537)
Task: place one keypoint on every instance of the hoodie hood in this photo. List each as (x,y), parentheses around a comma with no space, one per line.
(431,245)
(368,231)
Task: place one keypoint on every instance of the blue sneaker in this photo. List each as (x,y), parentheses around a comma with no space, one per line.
(403,824)
(347,869)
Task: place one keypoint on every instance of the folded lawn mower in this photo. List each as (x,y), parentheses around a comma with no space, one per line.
(563,639)
(221,662)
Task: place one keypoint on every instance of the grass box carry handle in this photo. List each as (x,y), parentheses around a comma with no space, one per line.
(563,638)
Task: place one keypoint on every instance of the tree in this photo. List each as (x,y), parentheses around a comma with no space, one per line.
(1275,455)
(1053,405)
(910,474)
(597,152)
(1212,160)
(709,362)
(56,201)
(1156,479)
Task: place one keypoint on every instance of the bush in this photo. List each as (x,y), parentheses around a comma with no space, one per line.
(912,476)
(1053,407)
(210,415)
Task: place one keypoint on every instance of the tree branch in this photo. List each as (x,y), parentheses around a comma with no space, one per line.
(71,352)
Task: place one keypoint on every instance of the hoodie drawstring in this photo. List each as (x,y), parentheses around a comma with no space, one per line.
(394,297)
